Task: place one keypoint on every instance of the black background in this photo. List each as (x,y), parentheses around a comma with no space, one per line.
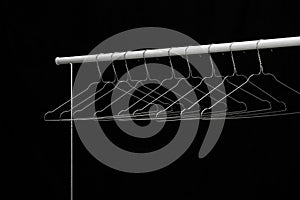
(254,157)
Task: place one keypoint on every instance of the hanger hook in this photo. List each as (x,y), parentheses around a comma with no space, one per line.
(259,59)
(232,58)
(145,63)
(126,66)
(211,61)
(98,67)
(187,60)
(170,60)
(113,65)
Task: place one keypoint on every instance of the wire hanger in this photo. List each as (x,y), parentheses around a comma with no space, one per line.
(173,78)
(91,99)
(241,104)
(183,96)
(241,78)
(260,92)
(66,112)
(234,90)
(119,116)
(213,76)
(147,95)
(278,106)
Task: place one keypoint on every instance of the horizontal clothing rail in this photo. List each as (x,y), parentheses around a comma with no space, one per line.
(182,51)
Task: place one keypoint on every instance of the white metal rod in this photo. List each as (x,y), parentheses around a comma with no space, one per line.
(182,51)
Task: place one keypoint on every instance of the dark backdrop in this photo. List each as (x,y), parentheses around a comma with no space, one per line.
(253,158)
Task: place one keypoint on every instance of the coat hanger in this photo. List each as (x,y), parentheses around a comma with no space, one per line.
(278,106)
(248,93)
(63,111)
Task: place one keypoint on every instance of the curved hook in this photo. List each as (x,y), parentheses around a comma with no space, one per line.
(234,68)
(98,67)
(112,63)
(145,63)
(188,62)
(261,70)
(211,62)
(171,64)
(126,66)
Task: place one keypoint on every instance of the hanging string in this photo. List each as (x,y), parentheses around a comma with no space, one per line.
(71,123)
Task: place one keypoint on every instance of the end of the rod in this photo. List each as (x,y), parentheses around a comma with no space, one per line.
(56,61)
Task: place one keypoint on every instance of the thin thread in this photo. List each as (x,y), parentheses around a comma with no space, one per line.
(71,122)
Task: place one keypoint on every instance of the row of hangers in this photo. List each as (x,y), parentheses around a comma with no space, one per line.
(225,104)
